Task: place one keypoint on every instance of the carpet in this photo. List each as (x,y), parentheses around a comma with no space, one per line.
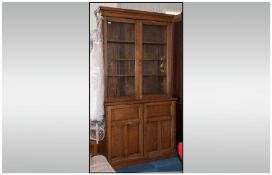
(167,165)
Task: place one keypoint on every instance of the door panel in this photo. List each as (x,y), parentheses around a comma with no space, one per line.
(159,136)
(151,136)
(166,134)
(133,134)
(126,113)
(158,109)
(117,145)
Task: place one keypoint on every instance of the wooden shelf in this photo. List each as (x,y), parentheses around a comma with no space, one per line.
(159,75)
(155,43)
(121,41)
(133,42)
(120,75)
(154,60)
(148,75)
(120,59)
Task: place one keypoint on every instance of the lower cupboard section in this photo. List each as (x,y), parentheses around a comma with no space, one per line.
(137,133)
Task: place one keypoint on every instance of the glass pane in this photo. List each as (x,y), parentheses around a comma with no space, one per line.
(121,86)
(153,85)
(121,59)
(154,33)
(154,59)
(118,31)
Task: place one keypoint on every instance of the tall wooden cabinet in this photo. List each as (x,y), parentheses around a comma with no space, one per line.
(140,110)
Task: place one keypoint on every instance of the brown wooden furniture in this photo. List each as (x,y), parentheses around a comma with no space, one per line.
(93,148)
(178,72)
(140,109)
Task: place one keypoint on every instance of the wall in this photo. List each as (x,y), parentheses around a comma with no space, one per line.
(93,7)
(45,87)
(153,7)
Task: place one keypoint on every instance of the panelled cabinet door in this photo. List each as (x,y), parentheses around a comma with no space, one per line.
(125,130)
(159,123)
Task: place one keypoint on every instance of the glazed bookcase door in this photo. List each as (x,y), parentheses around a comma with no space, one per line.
(119,41)
(154,59)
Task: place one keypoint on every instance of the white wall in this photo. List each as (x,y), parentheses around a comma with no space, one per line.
(93,7)
(152,7)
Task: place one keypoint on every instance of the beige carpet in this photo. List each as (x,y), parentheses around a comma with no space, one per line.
(100,164)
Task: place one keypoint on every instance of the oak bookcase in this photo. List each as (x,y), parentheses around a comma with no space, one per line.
(139,104)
